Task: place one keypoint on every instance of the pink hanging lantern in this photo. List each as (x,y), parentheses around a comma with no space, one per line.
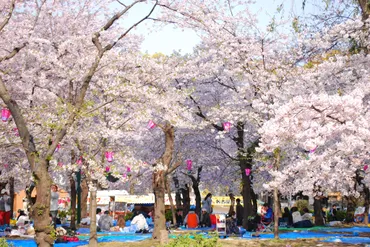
(365,167)
(6,166)
(79,161)
(107,169)
(247,171)
(189,164)
(16,132)
(124,175)
(227,126)
(313,150)
(58,147)
(128,169)
(151,124)
(5,114)
(109,156)
(60,164)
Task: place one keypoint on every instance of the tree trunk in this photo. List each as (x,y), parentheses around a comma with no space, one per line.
(93,242)
(254,200)
(366,204)
(84,195)
(171,203)
(232,205)
(195,185)
(73,201)
(276,210)
(11,194)
(317,207)
(159,208)
(178,200)
(247,211)
(185,200)
(41,209)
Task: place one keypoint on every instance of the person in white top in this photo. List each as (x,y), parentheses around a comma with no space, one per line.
(307,215)
(98,215)
(140,222)
(54,196)
(7,213)
(296,215)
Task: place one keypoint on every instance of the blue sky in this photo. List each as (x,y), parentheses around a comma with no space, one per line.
(169,39)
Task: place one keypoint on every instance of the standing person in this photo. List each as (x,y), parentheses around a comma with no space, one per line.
(207,203)
(239,213)
(334,212)
(112,205)
(179,218)
(54,196)
(2,209)
(7,206)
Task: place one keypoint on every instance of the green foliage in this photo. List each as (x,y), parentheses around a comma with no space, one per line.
(197,240)
(340,216)
(64,214)
(301,204)
(168,215)
(3,243)
(128,216)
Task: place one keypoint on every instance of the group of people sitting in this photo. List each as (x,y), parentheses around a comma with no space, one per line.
(294,218)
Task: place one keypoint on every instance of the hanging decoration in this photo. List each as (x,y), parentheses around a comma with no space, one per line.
(128,171)
(6,166)
(16,132)
(107,169)
(313,150)
(79,161)
(189,164)
(58,147)
(365,167)
(5,114)
(151,125)
(227,126)
(60,164)
(247,171)
(109,156)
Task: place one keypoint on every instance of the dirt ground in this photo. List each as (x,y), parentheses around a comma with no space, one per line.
(239,243)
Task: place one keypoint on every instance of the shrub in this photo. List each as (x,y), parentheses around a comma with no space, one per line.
(301,204)
(197,240)
(128,216)
(168,215)
(3,243)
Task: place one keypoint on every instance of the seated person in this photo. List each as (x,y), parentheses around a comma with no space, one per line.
(298,221)
(105,222)
(179,219)
(359,215)
(306,215)
(205,219)
(140,222)
(23,219)
(121,221)
(267,215)
(231,224)
(191,219)
(287,217)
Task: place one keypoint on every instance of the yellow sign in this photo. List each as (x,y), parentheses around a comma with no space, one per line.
(224,200)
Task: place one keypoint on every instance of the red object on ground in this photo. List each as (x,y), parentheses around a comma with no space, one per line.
(70,238)
(213,219)
(192,221)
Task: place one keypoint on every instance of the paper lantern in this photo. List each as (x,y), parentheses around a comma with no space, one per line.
(109,156)
(124,175)
(6,166)
(365,167)
(151,124)
(313,150)
(247,171)
(57,148)
(128,169)
(60,164)
(79,161)
(189,164)
(227,126)
(5,114)
(107,169)
(16,132)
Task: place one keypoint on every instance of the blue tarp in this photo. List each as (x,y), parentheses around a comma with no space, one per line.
(348,229)
(114,238)
(293,235)
(351,240)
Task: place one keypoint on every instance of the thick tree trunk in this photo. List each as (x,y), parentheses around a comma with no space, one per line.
(73,202)
(195,185)
(178,200)
(84,195)
(41,209)
(159,208)
(317,207)
(185,200)
(11,194)
(93,241)
(254,200)
(276,210)
(366,204)
(247,211)
(171,203)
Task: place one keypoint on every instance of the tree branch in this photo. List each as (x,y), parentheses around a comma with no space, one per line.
(7,18)
(12,53)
